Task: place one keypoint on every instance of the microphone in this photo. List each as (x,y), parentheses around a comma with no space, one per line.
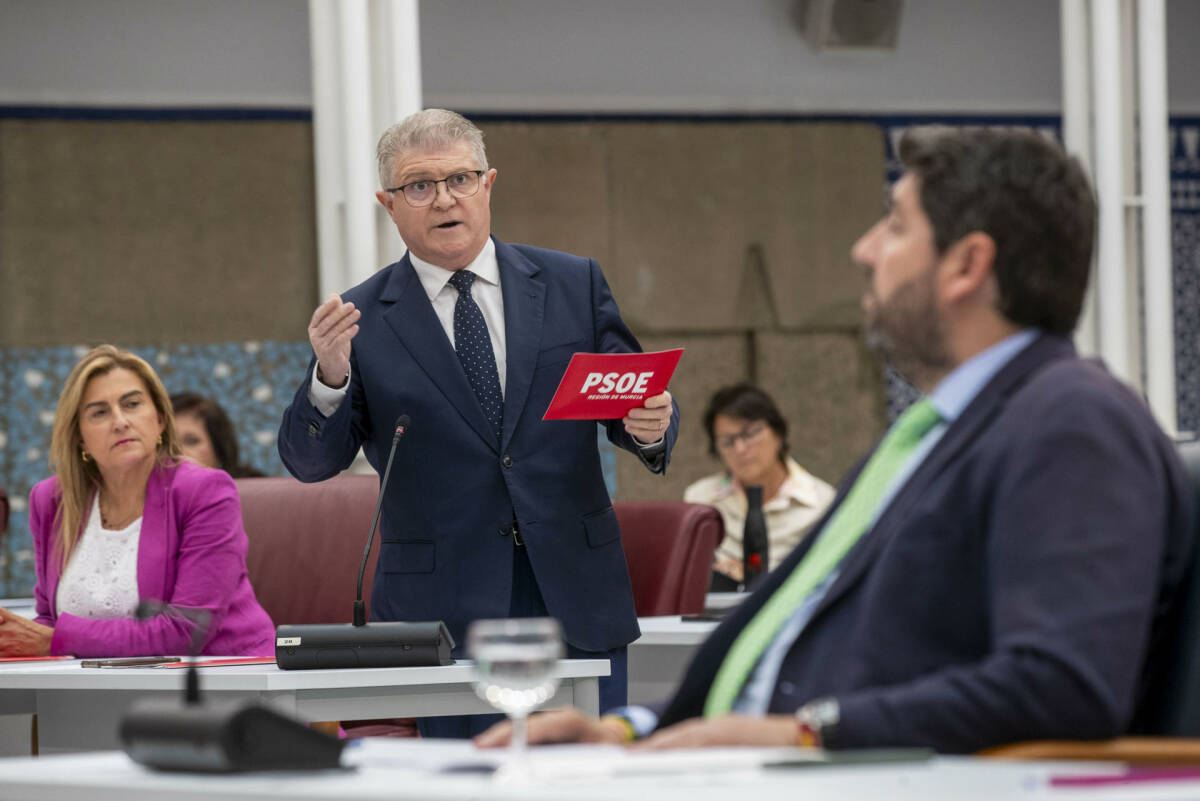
(217,737)
(362,644)
(360,614)
(200,618)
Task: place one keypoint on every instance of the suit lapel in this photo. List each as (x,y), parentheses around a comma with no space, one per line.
(412,319)
(524,310)
(157,538)
(962,432)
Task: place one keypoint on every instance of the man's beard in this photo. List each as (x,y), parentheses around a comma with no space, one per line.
(907,331)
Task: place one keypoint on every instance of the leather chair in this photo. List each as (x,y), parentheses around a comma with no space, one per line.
(669,549)
(306,543)
(1168,719)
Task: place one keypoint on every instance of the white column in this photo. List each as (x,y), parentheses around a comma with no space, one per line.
(365,56)
(1111,283)
(357,129)
(1159,296)
(1077,133)
(327,112)
(397,42)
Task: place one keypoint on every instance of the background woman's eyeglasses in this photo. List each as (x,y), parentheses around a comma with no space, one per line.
(746,435)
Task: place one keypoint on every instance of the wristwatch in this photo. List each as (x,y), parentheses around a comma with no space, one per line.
(816,722)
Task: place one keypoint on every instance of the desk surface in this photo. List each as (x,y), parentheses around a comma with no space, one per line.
(410,770)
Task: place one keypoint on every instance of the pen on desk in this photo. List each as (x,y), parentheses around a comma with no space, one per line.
(137,661)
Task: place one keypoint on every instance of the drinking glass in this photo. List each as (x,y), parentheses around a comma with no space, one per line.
(515,667)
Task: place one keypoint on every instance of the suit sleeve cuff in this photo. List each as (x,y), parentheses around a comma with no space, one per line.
(324,399)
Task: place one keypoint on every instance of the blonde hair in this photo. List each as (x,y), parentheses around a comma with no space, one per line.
(79,479)
(423,130)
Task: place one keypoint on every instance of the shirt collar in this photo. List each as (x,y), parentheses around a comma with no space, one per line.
(434,278)
(956,391)
(800,485)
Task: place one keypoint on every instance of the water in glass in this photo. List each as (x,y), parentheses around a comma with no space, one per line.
(515,663)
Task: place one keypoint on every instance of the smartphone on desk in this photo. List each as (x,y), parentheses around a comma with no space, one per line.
(134,661)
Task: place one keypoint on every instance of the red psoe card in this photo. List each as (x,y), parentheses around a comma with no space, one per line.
(604,386)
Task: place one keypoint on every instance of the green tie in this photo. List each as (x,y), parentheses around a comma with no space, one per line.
(847,525)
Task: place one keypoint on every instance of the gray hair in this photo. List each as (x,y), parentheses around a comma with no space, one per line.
(431,128)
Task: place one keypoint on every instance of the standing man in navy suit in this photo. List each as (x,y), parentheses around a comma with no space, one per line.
(1006,563)
(490,511)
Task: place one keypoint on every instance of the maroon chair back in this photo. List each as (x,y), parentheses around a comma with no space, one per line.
(669,549)
(306,543)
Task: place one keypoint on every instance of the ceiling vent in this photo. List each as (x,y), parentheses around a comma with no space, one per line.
(845,25)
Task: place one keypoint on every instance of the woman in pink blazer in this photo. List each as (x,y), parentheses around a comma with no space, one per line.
(125,520)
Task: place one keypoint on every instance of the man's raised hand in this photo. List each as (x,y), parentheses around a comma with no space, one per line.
(330,330)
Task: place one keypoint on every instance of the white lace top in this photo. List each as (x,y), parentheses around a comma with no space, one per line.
(101,576)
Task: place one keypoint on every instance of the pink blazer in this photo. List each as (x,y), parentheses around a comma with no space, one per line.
(191,553)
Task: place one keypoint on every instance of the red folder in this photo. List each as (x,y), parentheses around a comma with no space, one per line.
(222,660)
(605,386)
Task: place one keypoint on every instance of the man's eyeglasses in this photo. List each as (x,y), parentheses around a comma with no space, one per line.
(421,193)
(746,435)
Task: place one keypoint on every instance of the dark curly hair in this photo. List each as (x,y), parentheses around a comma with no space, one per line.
(745,402)
(1029,196)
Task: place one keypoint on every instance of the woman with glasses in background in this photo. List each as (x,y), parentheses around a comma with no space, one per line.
(749,435)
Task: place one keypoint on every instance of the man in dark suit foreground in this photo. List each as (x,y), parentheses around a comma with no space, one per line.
(1000,567)
(490,511)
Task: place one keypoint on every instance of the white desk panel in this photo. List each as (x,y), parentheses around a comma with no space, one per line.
(658,658)
(79,709)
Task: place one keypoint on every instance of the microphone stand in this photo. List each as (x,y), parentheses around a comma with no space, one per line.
(360,613)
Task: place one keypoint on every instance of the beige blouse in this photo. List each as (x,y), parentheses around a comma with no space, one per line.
(790,515)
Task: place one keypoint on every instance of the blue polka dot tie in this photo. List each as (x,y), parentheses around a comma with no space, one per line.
(474,347)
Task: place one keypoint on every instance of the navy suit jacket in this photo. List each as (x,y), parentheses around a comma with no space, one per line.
(1013,588)
(454,491)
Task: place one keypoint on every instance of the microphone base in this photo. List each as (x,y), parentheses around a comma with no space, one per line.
(341,645)
(223,738)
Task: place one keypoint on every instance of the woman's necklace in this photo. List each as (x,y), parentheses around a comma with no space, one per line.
(116,523)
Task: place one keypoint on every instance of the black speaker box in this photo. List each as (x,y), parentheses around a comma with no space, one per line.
(342,645)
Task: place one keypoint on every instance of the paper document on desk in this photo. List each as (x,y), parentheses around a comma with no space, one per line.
(568,762)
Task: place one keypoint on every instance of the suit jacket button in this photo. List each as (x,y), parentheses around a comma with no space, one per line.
(507,461)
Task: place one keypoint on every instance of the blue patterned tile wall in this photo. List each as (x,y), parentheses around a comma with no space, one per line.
(1185,240)
(253,382)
